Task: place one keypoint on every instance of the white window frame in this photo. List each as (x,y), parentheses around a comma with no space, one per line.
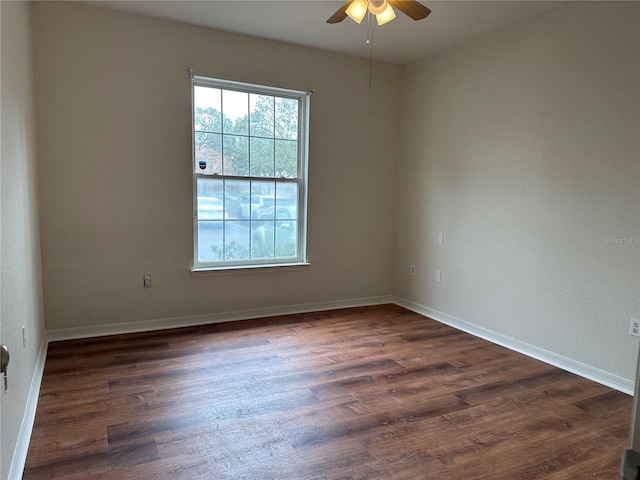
(301,180)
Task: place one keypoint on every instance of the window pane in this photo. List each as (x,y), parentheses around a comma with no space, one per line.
(236,194)
(286,239)
(262,157)
(286,158)
(236,240)
(208,153)
(209,203)
(210,187)
(235,108)
(209,243)
(286,201)
(286,118)
(207,109)
(262,239)
(263,196)
(262,113)
(236,155)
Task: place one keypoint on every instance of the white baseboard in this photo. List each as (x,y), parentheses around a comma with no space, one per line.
(24,436)
(600,376)
(195,320)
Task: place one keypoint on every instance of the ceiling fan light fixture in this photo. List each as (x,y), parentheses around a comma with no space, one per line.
(357,10)
(386,16)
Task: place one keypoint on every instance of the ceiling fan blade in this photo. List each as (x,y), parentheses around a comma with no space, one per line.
(340,14)
(411,8)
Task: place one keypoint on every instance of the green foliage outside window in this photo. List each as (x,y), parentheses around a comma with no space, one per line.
(269,147)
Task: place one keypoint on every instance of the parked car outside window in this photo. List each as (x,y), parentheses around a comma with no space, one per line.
(210,208)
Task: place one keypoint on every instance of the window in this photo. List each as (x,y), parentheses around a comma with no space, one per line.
(249,174)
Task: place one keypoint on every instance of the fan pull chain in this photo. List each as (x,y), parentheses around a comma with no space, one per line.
(370,45)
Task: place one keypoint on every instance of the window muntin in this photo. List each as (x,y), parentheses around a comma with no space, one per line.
(250,156)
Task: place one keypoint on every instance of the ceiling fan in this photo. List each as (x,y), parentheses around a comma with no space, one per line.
(382,9)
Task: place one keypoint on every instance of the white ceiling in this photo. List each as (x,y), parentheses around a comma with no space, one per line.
(303,22)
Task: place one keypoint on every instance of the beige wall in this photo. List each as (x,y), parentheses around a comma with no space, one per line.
(522,147)
(20,277)
(115,168)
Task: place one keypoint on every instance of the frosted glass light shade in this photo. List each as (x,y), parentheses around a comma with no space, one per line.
(357,10)
(386,16)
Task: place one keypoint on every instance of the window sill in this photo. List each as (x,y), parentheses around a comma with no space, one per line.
(245,269)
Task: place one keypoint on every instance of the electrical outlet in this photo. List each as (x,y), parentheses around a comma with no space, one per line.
(24,336)
(441,239)
(413,270)
(147,281)
(634,328)
(438,276)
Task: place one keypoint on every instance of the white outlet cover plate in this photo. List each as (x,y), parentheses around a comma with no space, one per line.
(441,239)
(634,327)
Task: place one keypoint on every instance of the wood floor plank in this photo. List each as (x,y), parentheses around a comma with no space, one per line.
(375,393)
(132,454)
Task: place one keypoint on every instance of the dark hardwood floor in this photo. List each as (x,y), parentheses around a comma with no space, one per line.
(368,393)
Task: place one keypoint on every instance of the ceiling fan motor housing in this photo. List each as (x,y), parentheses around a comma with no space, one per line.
(377,6)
